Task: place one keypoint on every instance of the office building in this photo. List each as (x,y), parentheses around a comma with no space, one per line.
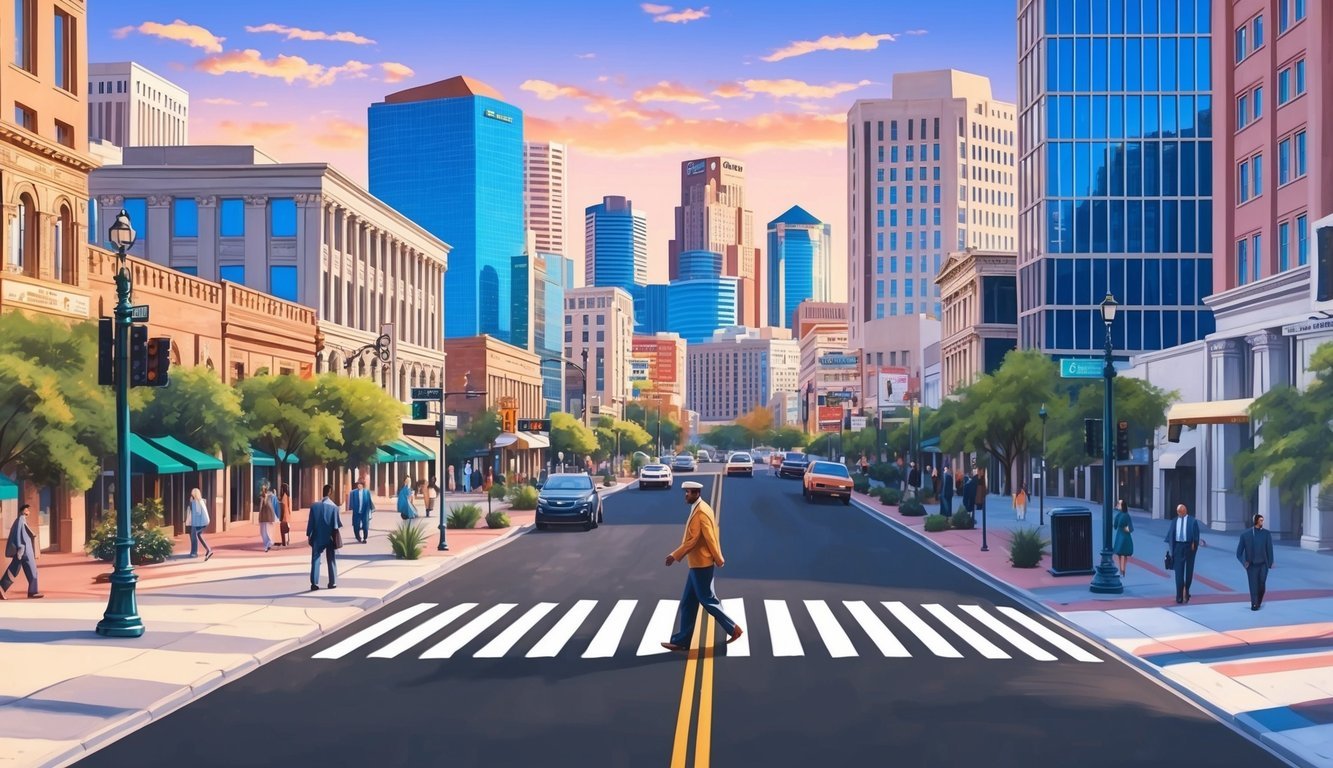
(129,105)
(1115,174)
(812,313)
(800,264)
(830,377)
(662,356)
(510,377)
(545,174)
(712,217)
(599,322)
(449,156)
(696,304)
(979,323)
(540,282)
(740,369)
(615,245)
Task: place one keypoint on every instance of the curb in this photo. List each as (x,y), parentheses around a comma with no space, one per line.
(1133,662)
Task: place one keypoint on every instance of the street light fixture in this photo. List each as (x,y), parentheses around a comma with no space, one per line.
(121,618)
(1042,510)
(440,472)
(1106,580)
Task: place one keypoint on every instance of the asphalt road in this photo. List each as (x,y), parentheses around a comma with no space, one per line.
(861,649)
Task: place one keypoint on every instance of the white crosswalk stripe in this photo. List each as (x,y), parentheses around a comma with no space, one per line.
(896,631)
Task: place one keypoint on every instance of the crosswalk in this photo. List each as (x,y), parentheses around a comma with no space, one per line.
(589,629)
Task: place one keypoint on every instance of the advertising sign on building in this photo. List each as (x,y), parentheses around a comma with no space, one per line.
(858,423)
(892,389)
(638,369)
(838,361)
(830,418)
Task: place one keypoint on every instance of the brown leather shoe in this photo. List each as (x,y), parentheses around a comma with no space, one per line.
(36,596)
(674,647)
(736,633)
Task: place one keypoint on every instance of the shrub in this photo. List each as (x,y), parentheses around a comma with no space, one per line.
(463,516)
(524,497)
(890,497)
(886,472)
(963,520)
(151,544)
(608,480)
(407,540)
(860,483)
(1026,548)
(912,508)
(497,519)
(935,523)
(498,491)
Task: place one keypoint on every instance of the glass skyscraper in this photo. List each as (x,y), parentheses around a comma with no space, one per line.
(449,155)
(800,261)
(615,244)
(538,314)
(698,302)
(1115,173)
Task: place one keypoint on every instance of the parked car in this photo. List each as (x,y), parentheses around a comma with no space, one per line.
(683,463)
(703,455)
(827,478)
(569,499)
(655,475)
(793,464)
(740,463)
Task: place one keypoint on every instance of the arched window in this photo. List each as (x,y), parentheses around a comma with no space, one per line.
(64,247)
(23,237)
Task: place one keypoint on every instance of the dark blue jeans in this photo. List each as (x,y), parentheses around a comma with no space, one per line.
(699,591)
(1258,576)
(1184,554)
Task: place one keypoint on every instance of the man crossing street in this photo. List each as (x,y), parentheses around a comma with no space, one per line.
(702,550)
(1255,552)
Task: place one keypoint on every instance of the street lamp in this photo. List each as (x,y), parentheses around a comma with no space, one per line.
(1043,414)
(1107,578)
(583,369)
(470,394)
(122,611)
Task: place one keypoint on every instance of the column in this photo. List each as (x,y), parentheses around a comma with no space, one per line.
(310,215)
(157,240)
(1268,367)
(256,242)
(207,259)
(1317,531)
(44,260)
(1225,508)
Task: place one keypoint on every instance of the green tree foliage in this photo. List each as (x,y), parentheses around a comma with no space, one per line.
(200,410)
(632,436)
(479,434)
(1292,445)
(370,417)
(728,437)
(55,421)
(787,438)
(757,424)
(569,435)
(1141,404)
(285,414)
(647,418)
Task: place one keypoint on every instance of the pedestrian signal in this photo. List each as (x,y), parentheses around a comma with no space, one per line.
(419,411)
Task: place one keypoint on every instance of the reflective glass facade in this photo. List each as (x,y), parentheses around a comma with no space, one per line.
(1115,172)
(551,274)
(455,166)
(799,263)
(616,244)
(696,308)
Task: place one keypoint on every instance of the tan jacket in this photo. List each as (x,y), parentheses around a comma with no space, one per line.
(701,546)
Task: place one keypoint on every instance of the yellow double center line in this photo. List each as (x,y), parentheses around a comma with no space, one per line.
(702,672)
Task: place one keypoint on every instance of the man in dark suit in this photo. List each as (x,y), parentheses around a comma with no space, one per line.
(324,522)
(970,492)
(914,480)
(21,548)
(1255,552)
(361,505)
(1183,539)
(946,493)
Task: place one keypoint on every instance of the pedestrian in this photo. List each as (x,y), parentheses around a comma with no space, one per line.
(970,493)
(488,481)
(321,529)
(267,514)
(1021,502)
(361,506)
(449,482)
(981,491)
(432,493)
(864,464)
(21,549)
(198,522)
(1255,552)
(285,514)
(1182,538)
(701,548)
(914,480)
(946,493)
(1123,545)
(406,509)
(935,482)
(467,478)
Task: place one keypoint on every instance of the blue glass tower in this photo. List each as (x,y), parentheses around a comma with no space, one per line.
(449,155)
(693,305)
(799,263)
(538,312)
(616,242)
(1115,173)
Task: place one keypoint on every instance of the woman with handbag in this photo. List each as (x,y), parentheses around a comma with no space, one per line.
(198,522)
(285,514)
(1123,543)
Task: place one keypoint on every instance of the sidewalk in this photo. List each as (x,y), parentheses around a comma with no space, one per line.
(1270,672)
(65,691)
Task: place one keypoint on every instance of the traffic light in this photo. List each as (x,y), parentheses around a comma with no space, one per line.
(1122,441)
(138,355)
(419,409)
(534,425)
(158,361)
(509,420)
(106,351)
(1092,437)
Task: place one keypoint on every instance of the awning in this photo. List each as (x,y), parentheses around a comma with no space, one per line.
(1176,459)
(197,459)
(933,442)
(404,451)
(1211,412)
(532,441)
(383,457)
(147,459)
(260,459)
(9,490)
(289,458)
(505,439)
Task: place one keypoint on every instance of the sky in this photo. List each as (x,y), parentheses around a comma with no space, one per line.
(634,89)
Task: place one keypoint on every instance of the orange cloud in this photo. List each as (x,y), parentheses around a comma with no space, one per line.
(666,135)
(666,90)
(340,134)
(548,91)
(223,102)
(665,13)
(653,9)
(799,89)
(296,33)
(395,72)
(732,91)
(286,68)
(180,31)
(252,131)
(862,42)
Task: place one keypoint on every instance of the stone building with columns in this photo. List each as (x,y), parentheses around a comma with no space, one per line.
(979,315)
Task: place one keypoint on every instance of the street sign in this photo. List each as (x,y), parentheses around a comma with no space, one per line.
(534,425)
(858,423)
(427,393)
(451,421)
(1087,367)
(139,313)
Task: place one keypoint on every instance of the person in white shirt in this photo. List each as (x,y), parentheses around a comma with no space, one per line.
(1182,539)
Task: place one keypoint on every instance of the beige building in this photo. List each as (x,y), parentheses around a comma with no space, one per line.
(740,369)
(599,331)
(545,170)
(712,216)
(830,374)
(980,323)
(811,313)
(129,105)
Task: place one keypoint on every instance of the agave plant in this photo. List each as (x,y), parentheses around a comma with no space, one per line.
(463,516)
(407,540)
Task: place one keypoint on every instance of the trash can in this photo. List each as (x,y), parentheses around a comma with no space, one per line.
(1071,541)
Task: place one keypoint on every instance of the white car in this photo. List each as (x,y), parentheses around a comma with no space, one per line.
(740,463)
(654,475)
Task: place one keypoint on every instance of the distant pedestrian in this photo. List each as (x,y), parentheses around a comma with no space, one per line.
(406,509)
(1123,545)
(864,464)
(1255,552)
(934,482)
(914,479)
(946,493)
(981,491)
(467,478)
(489,481)
(449,482)
(285,514)
(325,539)
(267,515)
(198,522)
(361,506)
(432,493)
(22,551)
(1183,539)
(701,548)
(970,493)
(1021,503)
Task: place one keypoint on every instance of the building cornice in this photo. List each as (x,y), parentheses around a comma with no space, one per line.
(1282,288)
(54,152)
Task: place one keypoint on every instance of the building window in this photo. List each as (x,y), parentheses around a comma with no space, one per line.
(66,51)
(1242,261)
(1283,15)
(184,217)
(64,134)
(1283,161)
(1302,239)
(282,282)
(1257,255)
(1284,86)
(1300,154)
(1243,176)
(191,271)
(1258,31)
(137,209)
(1241,34)
(1283,246)
(282,217)
(1300,10)
(1257,165)
(232,273)
(1300,77)
(25,118)
(1242,111)
(24,26)
(232,215)
(63,249)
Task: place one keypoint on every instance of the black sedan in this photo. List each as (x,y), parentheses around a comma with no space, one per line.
(793,465)
(569,499)
(683,463)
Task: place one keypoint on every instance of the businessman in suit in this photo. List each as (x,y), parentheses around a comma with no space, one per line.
(1183,539)
(324,520)
(946,492)
(21,548)
(361,507)
(1255,552)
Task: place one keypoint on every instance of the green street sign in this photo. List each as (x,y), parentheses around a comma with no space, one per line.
(1087,367)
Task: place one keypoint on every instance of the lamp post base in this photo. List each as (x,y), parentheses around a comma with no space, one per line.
(1106,581)
(444,545)
(122,611)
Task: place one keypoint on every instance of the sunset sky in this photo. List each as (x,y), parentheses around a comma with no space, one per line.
(633,88)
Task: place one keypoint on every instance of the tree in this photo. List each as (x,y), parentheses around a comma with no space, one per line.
(200,410)
(648,419)
(479,434)
(55,421)
(570,436)
(632,437)
(369,415)
(1137,402)
(758,424)
(1292,446)
(728,437)
(284,415)
(787,438)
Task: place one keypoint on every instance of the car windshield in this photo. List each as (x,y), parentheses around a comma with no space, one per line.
(569,483)
(656,467)
(741,457)
(829,468)
(795,457)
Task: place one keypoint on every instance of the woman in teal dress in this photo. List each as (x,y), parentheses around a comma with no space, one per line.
(1123,543)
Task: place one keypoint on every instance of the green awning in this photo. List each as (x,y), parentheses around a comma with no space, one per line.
(147,459)
(933,442)
(260,459)
(289,458)
(194,457)
(9,490)
(405,451)
(383,457)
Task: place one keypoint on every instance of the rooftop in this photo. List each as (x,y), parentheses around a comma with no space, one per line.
(456,87)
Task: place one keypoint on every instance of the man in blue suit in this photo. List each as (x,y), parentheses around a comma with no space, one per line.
(946,493)
(361,506)
(1255,552)
(321,528)
(1183,539)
